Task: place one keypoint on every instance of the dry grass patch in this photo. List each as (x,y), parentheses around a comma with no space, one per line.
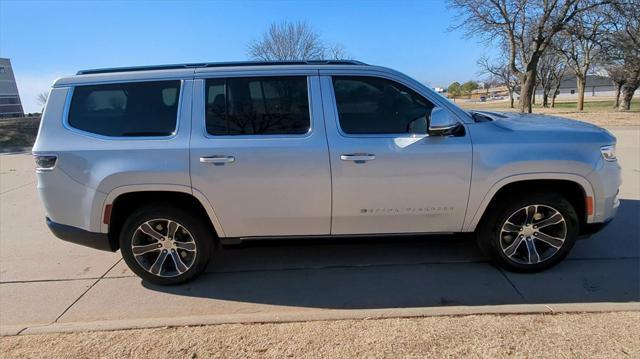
(600,335)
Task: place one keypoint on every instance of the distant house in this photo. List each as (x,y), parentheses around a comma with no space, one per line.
(596,86)
(10,105)
(498,92)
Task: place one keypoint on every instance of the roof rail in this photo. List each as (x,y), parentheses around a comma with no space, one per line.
(218,64)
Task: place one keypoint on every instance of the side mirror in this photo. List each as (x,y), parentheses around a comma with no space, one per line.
(441,123)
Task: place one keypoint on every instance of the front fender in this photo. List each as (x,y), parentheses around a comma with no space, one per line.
(475,211)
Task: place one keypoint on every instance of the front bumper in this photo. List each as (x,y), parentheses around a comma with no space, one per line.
(589,229)
(80,236)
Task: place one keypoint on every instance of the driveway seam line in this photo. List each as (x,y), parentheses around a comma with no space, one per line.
(512,285)
(47,280)
(19,187)
(86,291)
(305,268)
(74,302)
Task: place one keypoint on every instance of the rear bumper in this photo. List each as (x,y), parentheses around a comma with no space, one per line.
(80,236)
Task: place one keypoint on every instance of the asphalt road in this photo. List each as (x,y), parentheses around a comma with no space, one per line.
(50,285)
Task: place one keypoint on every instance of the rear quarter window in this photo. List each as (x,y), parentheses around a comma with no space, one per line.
(132,109)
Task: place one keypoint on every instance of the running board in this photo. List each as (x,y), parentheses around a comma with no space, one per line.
(229,241)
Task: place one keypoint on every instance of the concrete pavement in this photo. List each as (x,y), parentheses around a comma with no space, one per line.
(50,285)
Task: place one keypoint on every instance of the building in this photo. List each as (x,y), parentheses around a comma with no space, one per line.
(10,105)
(491,93)
(596,86)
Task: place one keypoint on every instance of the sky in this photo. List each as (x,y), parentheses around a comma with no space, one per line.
(49,39)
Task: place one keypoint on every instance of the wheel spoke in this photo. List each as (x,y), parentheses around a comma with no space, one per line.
(554,242)
(172,227)
(555,219)
(157,265)
(530,211)
(180,266)
(511,249)
(510,227)
(148,230)
(143,249)
(187,246)
(532,251)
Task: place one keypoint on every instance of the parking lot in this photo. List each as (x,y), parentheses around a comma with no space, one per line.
(50,285)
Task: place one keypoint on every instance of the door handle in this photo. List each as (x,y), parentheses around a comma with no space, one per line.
(358,157)
(218,159)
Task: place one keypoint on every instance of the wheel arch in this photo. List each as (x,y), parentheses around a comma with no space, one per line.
(576,188)
(123,200)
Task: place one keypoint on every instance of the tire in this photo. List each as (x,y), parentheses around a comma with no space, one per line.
(514,245)
(161,258)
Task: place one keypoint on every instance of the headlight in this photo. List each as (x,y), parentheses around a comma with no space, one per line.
(608,152)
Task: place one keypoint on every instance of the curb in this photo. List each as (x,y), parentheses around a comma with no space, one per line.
(322,315)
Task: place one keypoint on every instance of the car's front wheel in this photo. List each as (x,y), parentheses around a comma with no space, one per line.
(530,232)
(165,245)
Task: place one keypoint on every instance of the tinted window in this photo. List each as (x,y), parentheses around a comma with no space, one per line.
(126,109)
(373,105)
(257,106)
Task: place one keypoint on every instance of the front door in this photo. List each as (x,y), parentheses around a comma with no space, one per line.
(388,175)
(259,154)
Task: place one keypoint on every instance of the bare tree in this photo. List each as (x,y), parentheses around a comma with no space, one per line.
(557,80)
(288,41)
(618,77)
(500,73)
(42,98)
(551,70)
(622,48)
(337,52)
(527,27)
(580,45)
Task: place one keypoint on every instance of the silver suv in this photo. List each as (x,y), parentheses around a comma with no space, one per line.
(162,162)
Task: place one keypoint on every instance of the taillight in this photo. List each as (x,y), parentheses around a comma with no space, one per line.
(45,162)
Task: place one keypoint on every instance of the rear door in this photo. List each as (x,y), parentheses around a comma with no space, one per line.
(389,176)
(259,153)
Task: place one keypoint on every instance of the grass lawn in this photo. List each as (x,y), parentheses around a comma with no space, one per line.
(561,106)
(18,133)
(601,105)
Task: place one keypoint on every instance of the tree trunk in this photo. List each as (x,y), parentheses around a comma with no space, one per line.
(627,95)
(581,83)
(533,94)
(511,97)
(527,83)
(555,94)
(545,99)
(616,104)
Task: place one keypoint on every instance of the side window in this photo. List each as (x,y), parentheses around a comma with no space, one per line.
(126,109)
(257,106)
(372,105)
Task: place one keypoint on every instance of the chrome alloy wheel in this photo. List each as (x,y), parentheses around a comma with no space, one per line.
(163,247)
(533,234)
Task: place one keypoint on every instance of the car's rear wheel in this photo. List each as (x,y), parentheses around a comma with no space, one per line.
(165,245)
(530,232)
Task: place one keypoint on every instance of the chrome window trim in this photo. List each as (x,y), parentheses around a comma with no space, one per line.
(411,83)
(68,126)
(378,135)
(205,73)
(203,110)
